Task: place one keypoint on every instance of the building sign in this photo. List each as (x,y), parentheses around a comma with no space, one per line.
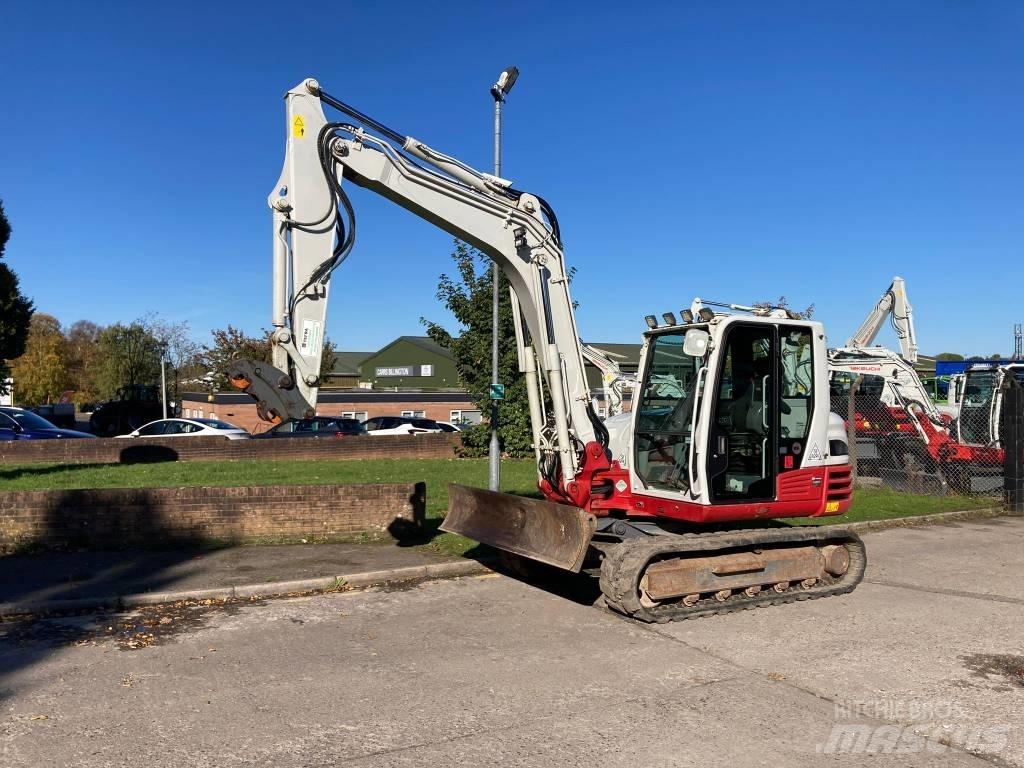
(406,370)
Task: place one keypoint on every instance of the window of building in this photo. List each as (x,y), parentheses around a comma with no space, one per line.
(465,417)
(414,414)
(360,415)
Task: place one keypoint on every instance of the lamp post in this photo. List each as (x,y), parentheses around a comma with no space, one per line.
(163,377)
(499,91)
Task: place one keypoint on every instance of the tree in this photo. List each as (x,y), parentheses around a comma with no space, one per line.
(181,350)
(230,343)
(15,310)
(949,357)
(41,374)
(783,303)
(84,360)
(468,297)
(329,360)
(131,357)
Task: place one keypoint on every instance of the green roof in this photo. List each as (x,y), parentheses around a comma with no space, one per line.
(347,363)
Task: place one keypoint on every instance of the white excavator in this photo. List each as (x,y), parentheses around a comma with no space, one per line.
(899,387)
(737,438)
(614,383)
(905,421)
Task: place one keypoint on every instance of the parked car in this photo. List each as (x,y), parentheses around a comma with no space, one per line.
(447,426)
(400,425)
(189,428)
(318,426)
(19,424)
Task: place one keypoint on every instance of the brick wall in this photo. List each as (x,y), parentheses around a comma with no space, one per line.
(119,517)
(114,451)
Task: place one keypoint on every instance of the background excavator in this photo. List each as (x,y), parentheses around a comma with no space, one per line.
(730,424)
(903,421)
(614,382)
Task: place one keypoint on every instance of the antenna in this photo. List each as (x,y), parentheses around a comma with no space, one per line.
(1018,336)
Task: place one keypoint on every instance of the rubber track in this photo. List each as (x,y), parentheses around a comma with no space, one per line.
(625,563)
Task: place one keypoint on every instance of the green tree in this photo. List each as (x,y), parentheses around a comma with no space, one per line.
(949,357)
(468,297)
(15,309)
(41,374)
(329,360)
(84,360)
(131,357)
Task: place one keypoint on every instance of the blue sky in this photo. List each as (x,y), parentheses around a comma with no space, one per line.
(735,151)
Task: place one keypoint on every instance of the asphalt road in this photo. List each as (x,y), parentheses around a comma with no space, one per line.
(491,671)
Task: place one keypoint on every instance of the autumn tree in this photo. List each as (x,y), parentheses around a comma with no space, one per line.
(15,309)
(468,296)
(230,343)
(41,373)
(84,360)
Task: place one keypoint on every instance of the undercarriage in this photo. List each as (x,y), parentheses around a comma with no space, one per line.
(656,575)
(672,577)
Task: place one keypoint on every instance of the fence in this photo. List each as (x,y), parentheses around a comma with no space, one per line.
(974,449)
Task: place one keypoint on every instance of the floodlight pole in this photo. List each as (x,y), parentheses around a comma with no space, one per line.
(498,91)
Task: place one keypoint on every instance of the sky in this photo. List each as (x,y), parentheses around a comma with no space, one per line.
(735,151)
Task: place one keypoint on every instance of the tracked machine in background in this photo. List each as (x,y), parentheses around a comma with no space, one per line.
(905,424)
(730,425)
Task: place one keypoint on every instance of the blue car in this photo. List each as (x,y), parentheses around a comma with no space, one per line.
(19,424)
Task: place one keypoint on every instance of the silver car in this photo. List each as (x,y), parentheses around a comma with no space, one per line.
(189,428)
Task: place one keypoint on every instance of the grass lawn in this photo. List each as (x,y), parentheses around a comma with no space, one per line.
(517,476)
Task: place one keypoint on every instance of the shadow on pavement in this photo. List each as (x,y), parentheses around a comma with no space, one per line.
(60,573)
(582,588)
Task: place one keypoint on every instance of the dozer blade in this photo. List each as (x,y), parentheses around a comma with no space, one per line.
(556,534)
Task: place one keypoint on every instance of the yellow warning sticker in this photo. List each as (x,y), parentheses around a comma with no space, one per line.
(298,127)
(832,506)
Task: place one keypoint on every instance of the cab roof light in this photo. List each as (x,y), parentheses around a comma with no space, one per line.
(705,315)
(652,321)
(687,316)
(669,318)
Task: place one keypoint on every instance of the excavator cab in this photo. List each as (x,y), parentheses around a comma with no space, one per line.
(723,427)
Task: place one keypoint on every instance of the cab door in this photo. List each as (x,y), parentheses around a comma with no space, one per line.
(743,431)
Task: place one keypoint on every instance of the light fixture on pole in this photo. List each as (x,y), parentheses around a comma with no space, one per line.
(499,91)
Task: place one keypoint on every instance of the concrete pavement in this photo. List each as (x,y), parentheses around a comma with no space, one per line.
(491,671)
(60,581)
